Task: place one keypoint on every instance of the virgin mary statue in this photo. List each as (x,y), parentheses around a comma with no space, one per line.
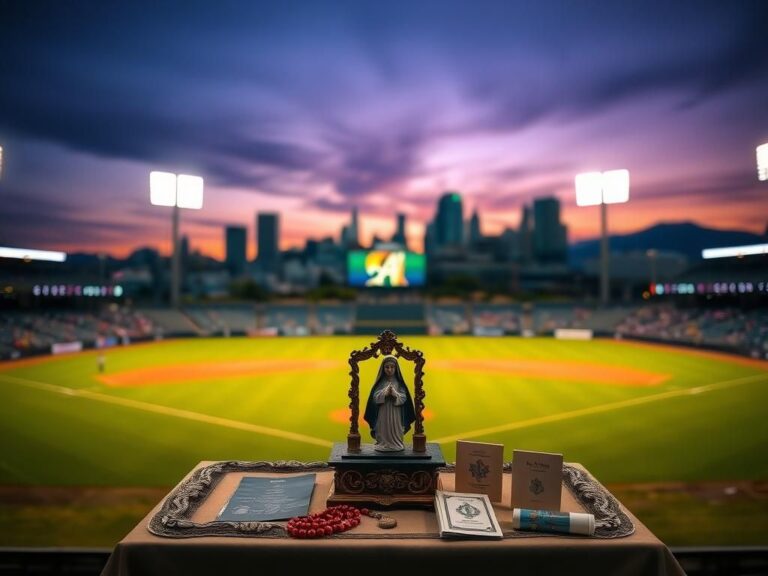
(389,411)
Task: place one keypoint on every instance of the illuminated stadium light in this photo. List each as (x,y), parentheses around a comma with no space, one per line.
(189,192)
(762,162)
(28,254)
(616,186)
(168,189)
(601,189)
(162,188)
(176,191)
(610,187)
(734,251)
(589,189)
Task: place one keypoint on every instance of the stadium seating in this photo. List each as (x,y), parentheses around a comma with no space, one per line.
(223,320)
(724,328)
(171,322)
(496,320)
(334,319)
(23,334)
(448,319)
(284,320)
(730,329)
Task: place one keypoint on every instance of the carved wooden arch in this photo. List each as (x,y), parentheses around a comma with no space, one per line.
(387,344)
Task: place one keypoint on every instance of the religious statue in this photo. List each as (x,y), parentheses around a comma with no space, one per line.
(389,411)
(389,472)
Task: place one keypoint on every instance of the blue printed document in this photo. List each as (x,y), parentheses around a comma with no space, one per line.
(260,499)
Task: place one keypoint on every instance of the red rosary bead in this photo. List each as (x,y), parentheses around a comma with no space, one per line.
(330,521)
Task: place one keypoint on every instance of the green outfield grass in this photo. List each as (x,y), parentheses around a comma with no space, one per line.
(703,419)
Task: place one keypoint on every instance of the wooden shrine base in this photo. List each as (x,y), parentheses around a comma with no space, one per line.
(382,501)
(385,479)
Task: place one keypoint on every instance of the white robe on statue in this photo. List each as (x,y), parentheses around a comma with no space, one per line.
(389,424)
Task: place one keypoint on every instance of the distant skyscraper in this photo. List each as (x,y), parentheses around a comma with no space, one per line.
(526,235)
(475,236)
(236,242)
(267,242)
(430,238)
(354,230)
(399,235)
(550,244)
(510,242)
(449,222)
(350,234)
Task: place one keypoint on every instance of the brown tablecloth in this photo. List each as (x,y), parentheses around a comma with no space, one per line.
(410,548)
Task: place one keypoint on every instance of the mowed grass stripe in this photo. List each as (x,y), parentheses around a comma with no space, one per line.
(167,411)
(603,408)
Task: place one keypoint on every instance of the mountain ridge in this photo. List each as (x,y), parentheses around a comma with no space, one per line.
(687,238)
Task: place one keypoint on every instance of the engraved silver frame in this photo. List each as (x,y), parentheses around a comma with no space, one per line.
(173,520)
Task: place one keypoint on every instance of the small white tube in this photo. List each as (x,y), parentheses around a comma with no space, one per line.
(548,521)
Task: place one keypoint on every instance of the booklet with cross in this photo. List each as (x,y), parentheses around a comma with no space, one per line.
(463,515)
(479,467)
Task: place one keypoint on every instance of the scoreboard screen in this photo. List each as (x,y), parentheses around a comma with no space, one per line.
(385,269)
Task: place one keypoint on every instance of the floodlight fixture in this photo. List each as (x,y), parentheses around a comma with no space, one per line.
(29,254)
(189,192)
(168,189)
(589,189)
(162,188)
(734,251)
(610,187)
(175,191)
(601,189)
(762,162)
(615,186)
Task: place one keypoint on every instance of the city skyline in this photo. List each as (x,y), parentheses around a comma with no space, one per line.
(310,111)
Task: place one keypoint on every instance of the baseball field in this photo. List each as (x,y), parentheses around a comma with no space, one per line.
(679,436)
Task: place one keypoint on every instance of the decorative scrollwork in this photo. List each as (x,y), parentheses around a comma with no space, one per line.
(386,481)
(173,519)
(350,482)
(610,520)
(421,482)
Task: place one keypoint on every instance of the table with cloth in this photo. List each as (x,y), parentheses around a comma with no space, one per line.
(181,536)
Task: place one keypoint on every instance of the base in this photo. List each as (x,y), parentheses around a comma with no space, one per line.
(385,479)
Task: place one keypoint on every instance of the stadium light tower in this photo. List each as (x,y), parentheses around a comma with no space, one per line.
(762,162)
(652,254)
(603,188)
(177,191)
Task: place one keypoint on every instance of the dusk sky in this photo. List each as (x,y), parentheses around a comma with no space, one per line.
(310,108)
